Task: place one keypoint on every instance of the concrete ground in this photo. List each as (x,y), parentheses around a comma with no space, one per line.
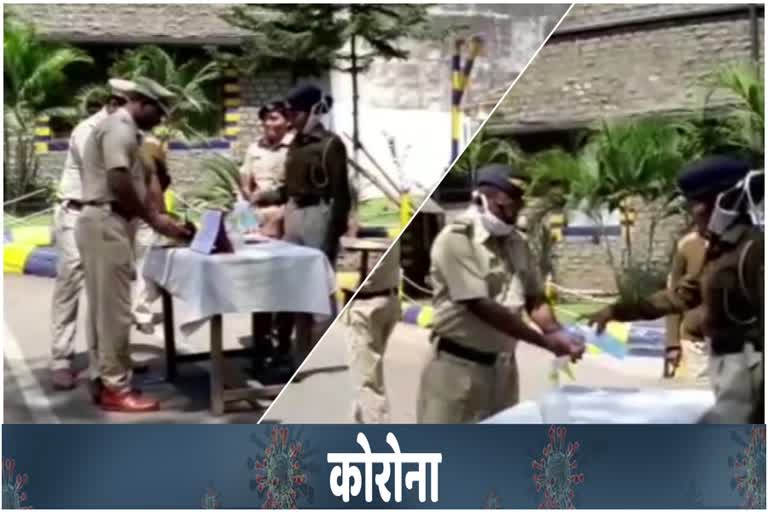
(322,391)
(29,397)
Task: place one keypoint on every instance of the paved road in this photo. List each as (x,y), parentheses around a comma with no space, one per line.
(29,397)
(324,394)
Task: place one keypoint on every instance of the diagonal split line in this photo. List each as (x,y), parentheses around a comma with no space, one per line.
(426,199)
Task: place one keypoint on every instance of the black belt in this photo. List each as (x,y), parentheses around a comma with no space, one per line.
(114,207)
(306,201)
(73,204)
(373,295)
(470,354)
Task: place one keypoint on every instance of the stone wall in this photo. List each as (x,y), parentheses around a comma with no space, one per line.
(640,70)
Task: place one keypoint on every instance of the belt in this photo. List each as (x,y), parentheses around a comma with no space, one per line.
(306,201)
(372,295)
(73,204)
(470,354)
(112,206)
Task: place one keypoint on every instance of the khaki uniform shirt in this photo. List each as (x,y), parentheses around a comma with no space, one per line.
(732,305)
(387,275)
(266,164)
(468,263)
(689,259)
(114,143)
(70,185)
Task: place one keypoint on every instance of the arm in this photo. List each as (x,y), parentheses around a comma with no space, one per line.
(336,167)
(454,259)
(674,322)
(117,145)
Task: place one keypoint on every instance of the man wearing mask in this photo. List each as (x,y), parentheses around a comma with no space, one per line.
(316,190)
(723,195)
(484,277)
(115,186)
(69,272)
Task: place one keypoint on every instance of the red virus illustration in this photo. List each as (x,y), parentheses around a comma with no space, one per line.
(280,477)
(555,472)
(211,498)
(492,501)
(14,495)
(748,467)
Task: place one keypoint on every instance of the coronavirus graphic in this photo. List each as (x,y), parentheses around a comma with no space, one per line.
(555,472)
(492,501)
(748,467)
(14,495)
(212,498)
(280,477)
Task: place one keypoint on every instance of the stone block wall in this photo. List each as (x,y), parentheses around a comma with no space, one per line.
(640,70)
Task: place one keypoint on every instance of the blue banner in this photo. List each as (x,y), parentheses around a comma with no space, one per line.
(456,466)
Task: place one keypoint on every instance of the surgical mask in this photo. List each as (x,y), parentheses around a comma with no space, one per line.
(316,114)
(492,223)
(729,206)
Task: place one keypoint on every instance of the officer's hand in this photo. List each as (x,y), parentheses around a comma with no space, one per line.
(168,227)
(599,319)
(563,343)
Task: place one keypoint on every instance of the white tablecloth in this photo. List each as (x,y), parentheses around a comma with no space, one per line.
(573,404)
(265,277)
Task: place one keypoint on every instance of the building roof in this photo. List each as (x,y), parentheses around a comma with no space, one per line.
(192,24)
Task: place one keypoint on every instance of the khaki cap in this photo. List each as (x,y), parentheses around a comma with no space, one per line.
(155,92)
(120,88)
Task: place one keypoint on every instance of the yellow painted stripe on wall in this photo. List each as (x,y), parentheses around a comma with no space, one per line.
(231,130)
(231,87)
(41,147)
(232,117)
(232,102)
(43,131)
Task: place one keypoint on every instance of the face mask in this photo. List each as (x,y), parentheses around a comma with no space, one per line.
(492,223)
(729,206)
(755,180)
(316,114)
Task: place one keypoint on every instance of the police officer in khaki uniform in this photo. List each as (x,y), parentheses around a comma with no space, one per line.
(69,272)
(371,318)
(484,278)
(114,193)
(262,175)
(154,159)
(316,192)
(685,331)
(729,286)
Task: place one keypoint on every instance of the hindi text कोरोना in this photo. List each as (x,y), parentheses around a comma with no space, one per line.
(346,479)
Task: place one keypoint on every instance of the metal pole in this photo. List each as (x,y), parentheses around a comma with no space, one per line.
(456,88)
(355,126)
(754,32)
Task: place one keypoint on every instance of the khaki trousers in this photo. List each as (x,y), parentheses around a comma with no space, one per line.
(105,243)
(66,289)
(455,390)
(145,292)
(737,382)
(371,322)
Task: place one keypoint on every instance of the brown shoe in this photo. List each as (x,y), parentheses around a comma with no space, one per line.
(64,379)
(127,401)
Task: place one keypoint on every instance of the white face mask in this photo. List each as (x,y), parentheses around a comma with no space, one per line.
(729,206)
(492,223)
(316,114)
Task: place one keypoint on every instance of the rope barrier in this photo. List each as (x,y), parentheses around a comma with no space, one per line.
(421,289)
(583,294)
(20,220)
(25,196)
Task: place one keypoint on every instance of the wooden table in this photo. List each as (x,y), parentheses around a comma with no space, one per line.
(220,395)
(364,246)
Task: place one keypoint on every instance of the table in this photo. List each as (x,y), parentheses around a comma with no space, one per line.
(258,278)
(364,246)
(576,404)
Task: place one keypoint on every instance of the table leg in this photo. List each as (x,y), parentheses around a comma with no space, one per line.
(169,334)
(217,366)
(363,267)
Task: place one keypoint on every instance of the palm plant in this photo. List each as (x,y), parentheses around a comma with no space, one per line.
(637,159)
(32,69)
(745,126)
(193,109)
(222,183)
(483,151)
